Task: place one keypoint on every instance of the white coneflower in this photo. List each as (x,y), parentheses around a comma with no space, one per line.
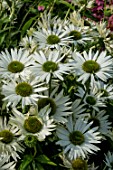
(92,99)
(77,139)
(93,66)
(45,66)
(9,139)
(15,64)
(38,124)
(24,91)
(77,164)
(79,35)
(51,34)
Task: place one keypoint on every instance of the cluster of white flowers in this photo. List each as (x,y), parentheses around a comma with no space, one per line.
(58,82)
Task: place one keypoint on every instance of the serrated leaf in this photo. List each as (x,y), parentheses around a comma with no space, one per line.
(45,160)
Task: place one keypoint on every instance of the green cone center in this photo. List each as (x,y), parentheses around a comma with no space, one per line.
(79,164)
(76,35)
(53,39)
(47,101)
(7,136)
(30,141)
(76,138)
(32,124)
(91,100)
(50,66)
(15,67)
(23,89)
(90,66)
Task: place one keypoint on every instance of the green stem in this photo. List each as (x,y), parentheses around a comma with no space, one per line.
(51,9)
(35,151)
(87,88)
(105,167)
(25,17)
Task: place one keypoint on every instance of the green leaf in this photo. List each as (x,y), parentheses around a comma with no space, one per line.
(27,25)
(8,28)
(26,161)
(45,160)
(39,167)
(67,4)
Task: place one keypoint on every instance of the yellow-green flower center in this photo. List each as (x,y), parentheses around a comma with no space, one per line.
(91,100)
(76,35)
(15,67)
(79,164)
(24,89)
(76,138)
(90,66)
(50,66)
(44,102)
(7,136)
(95,121)
(53,39)
(30,141)
(32,124)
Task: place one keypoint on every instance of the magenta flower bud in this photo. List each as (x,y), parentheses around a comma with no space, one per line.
(41,8)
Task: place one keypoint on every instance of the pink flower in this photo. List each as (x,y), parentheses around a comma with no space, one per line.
(110,23)
(41,8)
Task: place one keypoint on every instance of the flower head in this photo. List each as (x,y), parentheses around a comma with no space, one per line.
(26,92)
(51,65)
(16,64)
(79,35)
(93,66)
(9,139)
(38,124)
(92,99)
(51,33)
(77,139)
